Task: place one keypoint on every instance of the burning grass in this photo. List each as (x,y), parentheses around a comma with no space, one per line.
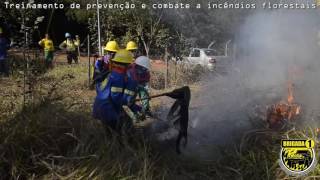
(283,112)
(56,138)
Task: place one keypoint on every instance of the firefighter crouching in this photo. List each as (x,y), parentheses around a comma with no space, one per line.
(108,102)
(138,78)
(142,68)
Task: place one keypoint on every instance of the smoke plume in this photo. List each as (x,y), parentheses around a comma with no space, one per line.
(272,48)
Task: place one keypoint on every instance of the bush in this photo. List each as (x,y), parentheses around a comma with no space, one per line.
(18,62)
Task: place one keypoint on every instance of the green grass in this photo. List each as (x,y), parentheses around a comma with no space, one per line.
(56,138)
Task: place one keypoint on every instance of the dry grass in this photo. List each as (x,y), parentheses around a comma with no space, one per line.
(56,138)
(178,75)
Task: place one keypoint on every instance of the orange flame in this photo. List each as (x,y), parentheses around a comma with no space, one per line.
(281,111)
(290,93)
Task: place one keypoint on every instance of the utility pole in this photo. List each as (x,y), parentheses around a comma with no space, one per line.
(89,66)
(27,85)
(166,56)
(24,61)
(99,35)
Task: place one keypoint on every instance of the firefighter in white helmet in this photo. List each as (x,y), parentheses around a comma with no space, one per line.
(138,81)
(70,45)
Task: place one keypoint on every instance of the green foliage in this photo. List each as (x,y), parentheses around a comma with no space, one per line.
(79,15)
(129,36)
(21,21)
(153,29)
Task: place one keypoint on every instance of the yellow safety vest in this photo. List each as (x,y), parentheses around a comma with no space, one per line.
(71,44)
(47,44)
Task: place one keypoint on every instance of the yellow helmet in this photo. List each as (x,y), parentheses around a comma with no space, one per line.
(123,56)
(131,45)
(1,30)
(112,46)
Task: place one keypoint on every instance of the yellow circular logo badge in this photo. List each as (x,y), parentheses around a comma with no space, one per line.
(297,157)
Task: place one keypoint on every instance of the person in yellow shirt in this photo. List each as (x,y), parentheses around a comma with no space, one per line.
(70,45)
(47,44)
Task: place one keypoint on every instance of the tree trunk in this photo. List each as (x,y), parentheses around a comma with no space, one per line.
(146,48)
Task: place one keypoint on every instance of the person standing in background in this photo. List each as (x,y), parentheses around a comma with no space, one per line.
(4,46)
(70,45)
(78,47)
(48,47)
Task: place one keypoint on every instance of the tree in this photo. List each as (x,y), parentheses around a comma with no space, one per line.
(148,27)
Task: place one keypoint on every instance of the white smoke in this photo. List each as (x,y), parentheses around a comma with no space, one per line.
(269,44)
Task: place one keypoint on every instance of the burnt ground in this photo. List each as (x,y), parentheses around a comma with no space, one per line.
(225,108)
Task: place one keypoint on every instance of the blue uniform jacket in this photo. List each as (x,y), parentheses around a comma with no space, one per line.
(4,46)
(102,63)
(131,89)
(108,102)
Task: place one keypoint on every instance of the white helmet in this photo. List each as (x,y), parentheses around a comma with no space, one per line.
(143,61)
